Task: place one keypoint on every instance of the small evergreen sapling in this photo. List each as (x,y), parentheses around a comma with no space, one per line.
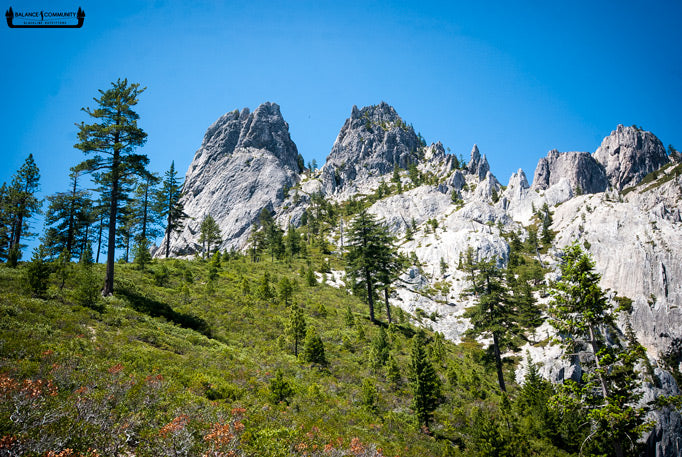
(313,350)
(296,327)
(280,389)
(142,255)
(285,290)
(38,272)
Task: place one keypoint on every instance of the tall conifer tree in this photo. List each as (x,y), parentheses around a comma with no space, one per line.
(20,204)
(110,141)
(210,235)
(609,394)
(426,386)
(493,314)
(68,217)
(371,258)
(169,206)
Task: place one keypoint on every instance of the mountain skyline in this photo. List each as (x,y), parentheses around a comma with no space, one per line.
(516,81)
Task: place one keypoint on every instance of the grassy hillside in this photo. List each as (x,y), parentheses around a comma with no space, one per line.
(176,363)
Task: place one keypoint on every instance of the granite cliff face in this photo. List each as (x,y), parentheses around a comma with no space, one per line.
(583,173)
(371,142)
(243,165)
(629,154)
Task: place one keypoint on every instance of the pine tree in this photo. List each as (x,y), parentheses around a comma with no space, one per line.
(141,252)
(396,178)
(68,217)
(264,291)
(210,235)
(125,226)
(61,268)
(112,139)
(493,314)
(371,258)
(86,293)
(536,418)
(310,277)
(38,272)
(86,255)
(389,264)
(169,206)
(528,313)
(546,218)
(313,348)
(145,212)
(297,326)
(380,349)
(369,395)
(21,204)
(414,174)
(348,317)
(272,234)
(292,242)
(582,316)
(280,389)
(393,372)
(256,244)
(285,290)
(425,384)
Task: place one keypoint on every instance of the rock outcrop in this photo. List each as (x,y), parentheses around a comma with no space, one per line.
(245,162)
(478,165)
(371,142)
(628,154)
(583,173)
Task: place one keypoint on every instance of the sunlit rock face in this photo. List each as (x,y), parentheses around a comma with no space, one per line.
(245,162)
(628,154)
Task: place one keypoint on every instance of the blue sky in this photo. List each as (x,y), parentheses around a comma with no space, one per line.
(517,80)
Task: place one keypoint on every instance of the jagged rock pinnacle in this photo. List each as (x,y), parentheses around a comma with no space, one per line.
(371,142)
(244,162)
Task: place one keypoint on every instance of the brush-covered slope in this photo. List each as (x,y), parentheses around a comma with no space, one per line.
(191,357)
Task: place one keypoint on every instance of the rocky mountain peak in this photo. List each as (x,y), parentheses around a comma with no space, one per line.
(583,173)
(265,129)
(628,154)
(371,142)
(245,161)
(519,179)
(478,165)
